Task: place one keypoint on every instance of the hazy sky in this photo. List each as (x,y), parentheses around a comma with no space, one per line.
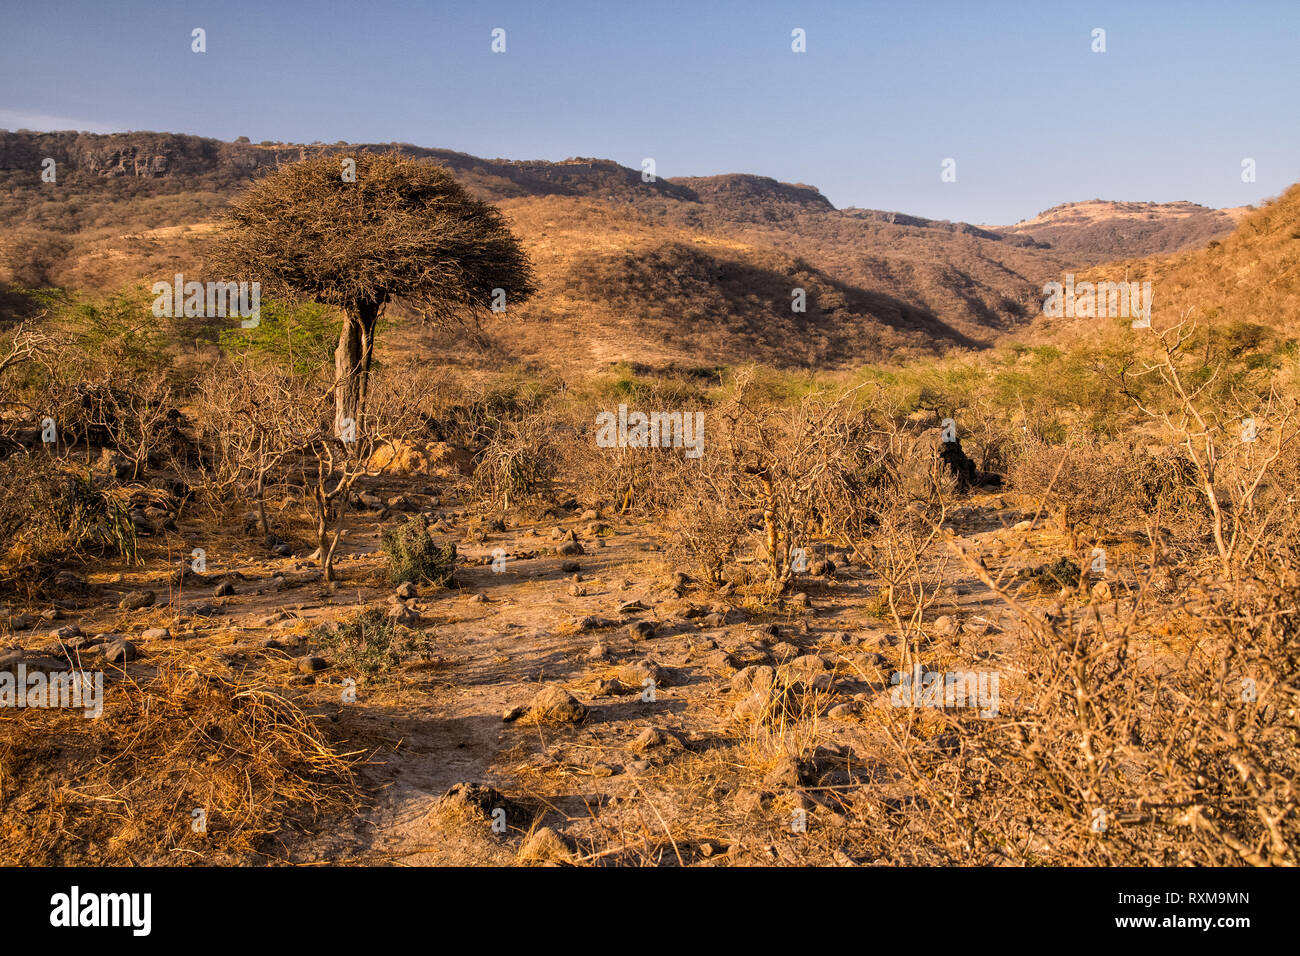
(884,93)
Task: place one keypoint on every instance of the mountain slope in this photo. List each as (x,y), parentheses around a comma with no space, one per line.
(680,270)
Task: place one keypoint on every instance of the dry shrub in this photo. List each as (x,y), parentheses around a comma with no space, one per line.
(1106,483)
(518,462)
(52,511)
(1119,750)
(78,790)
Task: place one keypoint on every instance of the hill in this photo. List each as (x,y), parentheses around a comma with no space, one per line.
(1101,231)
(1247,280)
(653,272)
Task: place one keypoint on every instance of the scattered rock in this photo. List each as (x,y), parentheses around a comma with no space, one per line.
(655,738)
(136,600)
(224,589)
(555,705)
(310,664)
(784,651)
(755,677)
(946,626)
(156,634)
(402,614)
(641,630)
(120,651)
(636,675)
(475,799)
(752,707)
(405,591)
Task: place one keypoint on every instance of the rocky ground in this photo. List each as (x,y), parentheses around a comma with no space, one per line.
(573,697)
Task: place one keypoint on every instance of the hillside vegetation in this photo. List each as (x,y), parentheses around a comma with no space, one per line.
(917,576)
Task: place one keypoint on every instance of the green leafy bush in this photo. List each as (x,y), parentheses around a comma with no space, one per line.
(364,643)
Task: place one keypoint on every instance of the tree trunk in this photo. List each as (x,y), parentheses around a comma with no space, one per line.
(352,364)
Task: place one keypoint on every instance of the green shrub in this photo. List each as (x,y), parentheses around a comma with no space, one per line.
(364,643)
(414,556)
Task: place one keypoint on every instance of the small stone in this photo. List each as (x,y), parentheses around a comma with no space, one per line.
(63,633)
(556,705)
(136,600)
(401,614)
(120,651)
(10,658)
(946,625)
(755,677)
(224,589)
(570,567)
(636,675)
(654,738)
(752,707)
(405,591)
(567,548)
(311,663)
(22,622)
(641,630)
(598,652)
(156,634)
(844,711)
(784,651)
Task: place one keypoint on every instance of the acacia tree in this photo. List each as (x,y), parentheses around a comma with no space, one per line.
(359,237)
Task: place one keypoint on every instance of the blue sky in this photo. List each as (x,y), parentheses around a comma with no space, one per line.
(884,93)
